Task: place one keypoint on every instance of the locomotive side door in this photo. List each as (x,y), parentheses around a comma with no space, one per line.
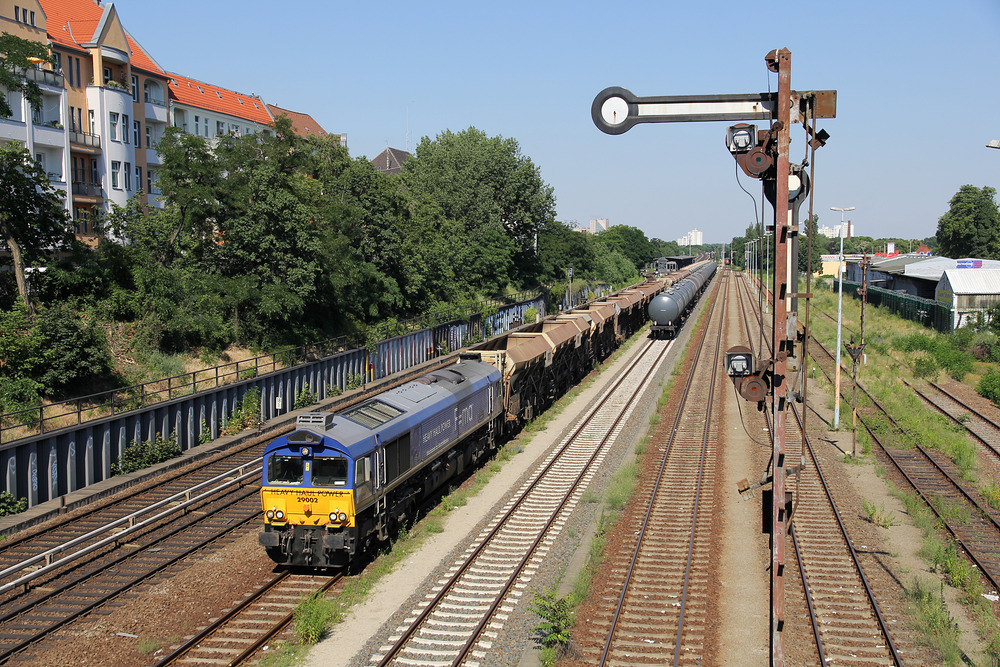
(378,484)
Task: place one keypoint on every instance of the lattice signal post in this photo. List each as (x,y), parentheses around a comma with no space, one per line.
(764,155)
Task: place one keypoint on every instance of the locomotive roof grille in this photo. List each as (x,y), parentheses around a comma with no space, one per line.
(373,413)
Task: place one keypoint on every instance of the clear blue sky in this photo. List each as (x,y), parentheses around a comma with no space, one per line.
(917,82)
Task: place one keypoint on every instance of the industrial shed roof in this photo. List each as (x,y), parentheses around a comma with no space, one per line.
(898,263)
(971,281)
(934,268)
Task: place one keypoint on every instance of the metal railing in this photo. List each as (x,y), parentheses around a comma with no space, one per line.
(37,420)
(44,76)
(88,189)
(85,139)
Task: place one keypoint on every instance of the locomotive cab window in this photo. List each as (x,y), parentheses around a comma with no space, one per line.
(329,471)
(285,470)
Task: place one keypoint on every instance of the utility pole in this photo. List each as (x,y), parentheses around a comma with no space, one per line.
(764,155)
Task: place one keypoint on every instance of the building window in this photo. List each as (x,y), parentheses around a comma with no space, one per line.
(113,123)
(206,127)
(95,174)
(32,18)
(138,177)
(149,181)
(107,75)
(125,128)
(136,133)
(72,119)
(220,128)
(128,176)
(197,122)
(149,136)
(79,81)
(92,128)
(135,88)
(116,169)
(17,14)
(58,58)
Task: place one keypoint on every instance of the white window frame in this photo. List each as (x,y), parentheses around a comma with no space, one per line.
(113,125)
(116,168)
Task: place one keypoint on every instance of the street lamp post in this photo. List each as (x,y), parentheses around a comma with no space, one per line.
(840,313)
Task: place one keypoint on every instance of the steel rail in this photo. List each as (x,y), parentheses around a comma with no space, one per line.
(951,397)
(484,542)
(919,490)
(883,626)
(7,651)
(117,537)
(609,639)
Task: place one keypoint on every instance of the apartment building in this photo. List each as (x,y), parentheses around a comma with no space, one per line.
(106,103)
(41,132)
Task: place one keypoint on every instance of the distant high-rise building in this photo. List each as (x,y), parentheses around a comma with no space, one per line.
(599,225)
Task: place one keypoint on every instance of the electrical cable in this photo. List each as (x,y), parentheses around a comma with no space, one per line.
(739,405)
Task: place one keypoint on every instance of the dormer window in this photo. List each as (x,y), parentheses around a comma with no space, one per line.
(219,94)
(200,90)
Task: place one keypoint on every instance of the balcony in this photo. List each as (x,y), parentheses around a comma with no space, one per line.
(49,134)
(156,111)
(44,77)
(92,192)
(85,142)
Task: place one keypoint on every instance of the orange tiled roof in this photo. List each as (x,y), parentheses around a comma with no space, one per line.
(72,23)
(220,100)
(303,124)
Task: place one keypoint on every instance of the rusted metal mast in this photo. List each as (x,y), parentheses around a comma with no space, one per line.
(780,61)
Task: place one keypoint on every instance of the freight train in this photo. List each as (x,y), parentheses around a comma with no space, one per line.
(341,483)
(670,308)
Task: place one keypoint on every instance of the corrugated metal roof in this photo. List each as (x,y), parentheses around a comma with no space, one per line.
(896,264)
(972,281)
(934,268)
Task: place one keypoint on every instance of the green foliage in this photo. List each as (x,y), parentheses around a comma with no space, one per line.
(971,227)
(990,490)
(139,455)
(14,54)
(940,630)
(354,381)
(989,386)
(557,615)
(944,349)
(311,617)
(246,414)
(305,397)
(878,515)
(10,504)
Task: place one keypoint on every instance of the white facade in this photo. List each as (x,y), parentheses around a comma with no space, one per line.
(41,132)
(599,225)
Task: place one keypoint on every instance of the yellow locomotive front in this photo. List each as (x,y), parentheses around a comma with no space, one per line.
(308,502)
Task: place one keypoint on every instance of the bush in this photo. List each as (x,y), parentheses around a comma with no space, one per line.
(246,414)
(141,455)
(9,504)
(557,615)
(305,397)
(989,386)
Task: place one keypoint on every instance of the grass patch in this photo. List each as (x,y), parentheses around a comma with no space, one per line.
(934,622)
(878,515)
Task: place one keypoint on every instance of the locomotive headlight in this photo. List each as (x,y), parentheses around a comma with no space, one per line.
(342,516)
(333,516)
(269,514)
(279,515)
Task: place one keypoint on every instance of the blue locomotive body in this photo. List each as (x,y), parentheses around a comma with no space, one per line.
(340,482)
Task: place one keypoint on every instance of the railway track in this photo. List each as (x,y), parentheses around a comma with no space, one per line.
(934,477)
(657,593)
(845,622)
(978,425)
(242,631)
(470,605)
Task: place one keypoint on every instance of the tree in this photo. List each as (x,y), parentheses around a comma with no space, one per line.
(629,241)
(33,220)
(15,53)
(818,247)
(486,184)
(971,227)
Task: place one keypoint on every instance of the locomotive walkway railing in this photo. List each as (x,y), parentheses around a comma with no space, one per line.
(18,424)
